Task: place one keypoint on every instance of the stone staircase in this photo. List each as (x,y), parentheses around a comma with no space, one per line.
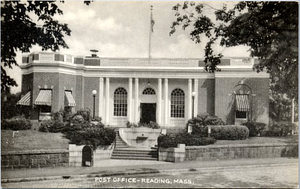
(123,151)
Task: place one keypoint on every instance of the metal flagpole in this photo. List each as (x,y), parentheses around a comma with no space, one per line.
(150,31)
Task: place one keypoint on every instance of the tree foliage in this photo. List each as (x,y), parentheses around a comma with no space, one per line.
(270,29)
(24,24)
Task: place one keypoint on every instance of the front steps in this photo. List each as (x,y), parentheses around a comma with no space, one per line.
(135,154)
(123,151)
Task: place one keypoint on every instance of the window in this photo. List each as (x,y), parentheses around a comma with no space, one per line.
(120,102)
(148,91)
(45,109)
(241,115)
(177,103)
(242,106)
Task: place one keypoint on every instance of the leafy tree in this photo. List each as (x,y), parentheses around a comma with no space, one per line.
(20,31)
(270,29)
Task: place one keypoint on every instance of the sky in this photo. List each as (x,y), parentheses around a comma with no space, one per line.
(121,29)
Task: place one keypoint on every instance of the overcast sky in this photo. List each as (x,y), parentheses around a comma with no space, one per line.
(121,29)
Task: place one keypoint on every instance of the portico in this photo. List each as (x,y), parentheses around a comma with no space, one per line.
(143,92)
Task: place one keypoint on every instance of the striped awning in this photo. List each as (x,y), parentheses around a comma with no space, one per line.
(242,103)
(69,100)
(25,100)
(44,98)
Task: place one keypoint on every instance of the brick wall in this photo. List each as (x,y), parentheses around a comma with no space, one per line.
(224,98)
(34,159)
(237,151)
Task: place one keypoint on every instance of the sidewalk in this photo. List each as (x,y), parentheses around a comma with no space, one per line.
(113,167)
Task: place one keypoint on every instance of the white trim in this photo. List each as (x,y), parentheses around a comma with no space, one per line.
(242,74)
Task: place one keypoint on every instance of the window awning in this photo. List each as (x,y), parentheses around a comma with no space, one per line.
(69,101)
(25,100)
(242,103)
(44,98)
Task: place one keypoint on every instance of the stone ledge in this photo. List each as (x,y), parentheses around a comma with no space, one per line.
(239,145)
(27,152)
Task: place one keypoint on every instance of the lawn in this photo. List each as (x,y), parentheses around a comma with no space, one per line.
(261,140)
(32,140)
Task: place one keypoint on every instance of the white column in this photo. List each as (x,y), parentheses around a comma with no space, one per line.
(107,100)
(129,112)
(166,101)
(101,98)
(136,100)
(189,99)
(159,101)
(196,97)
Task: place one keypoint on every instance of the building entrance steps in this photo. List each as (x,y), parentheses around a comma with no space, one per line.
(123,151)
(119,142)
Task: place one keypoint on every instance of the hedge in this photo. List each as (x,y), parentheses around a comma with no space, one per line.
(228,132)
(202,120)
(280,129)
(255,128)
(16,123)
(166,141)
(92,136)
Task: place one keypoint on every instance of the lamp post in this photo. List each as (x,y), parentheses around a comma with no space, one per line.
(193,100)
(94,95)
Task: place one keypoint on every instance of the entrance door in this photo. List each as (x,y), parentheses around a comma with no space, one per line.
(148,112)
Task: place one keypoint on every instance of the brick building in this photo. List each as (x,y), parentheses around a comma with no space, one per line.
(167,91)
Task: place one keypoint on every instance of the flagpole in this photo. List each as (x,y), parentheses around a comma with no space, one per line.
(150,31)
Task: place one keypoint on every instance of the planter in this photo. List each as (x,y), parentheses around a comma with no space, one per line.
(141,137)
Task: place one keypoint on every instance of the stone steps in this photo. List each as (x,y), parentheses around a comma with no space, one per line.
(122,151)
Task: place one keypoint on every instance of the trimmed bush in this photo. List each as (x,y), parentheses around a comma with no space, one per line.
(16,123)
(202,120)
(255,128)
(92,136)
(166,141)
(228,132)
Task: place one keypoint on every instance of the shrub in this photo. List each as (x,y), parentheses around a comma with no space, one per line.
(16,123)
(152,125)
(85,113)
(280,129)
(166,141)
(202,120)
(255,128)
(92,136)
(228,132)
(52,126)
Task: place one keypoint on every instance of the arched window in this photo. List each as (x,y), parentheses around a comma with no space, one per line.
(177,103)
(148,91)
(120,102)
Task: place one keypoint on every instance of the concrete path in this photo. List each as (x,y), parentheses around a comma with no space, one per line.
(127,167)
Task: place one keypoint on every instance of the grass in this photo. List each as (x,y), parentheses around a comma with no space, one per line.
(32,140)
(261,140)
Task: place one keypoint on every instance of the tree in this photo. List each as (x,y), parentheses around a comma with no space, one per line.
(20,31)
(270,29)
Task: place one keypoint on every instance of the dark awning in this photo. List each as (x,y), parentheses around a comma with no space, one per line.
(69,99)
(242,103)
(44,98)
(25,100)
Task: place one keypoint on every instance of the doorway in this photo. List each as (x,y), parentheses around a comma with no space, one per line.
(148,112)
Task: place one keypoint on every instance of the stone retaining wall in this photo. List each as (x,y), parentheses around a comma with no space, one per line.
(172,154)
(34,159)
(216,152)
